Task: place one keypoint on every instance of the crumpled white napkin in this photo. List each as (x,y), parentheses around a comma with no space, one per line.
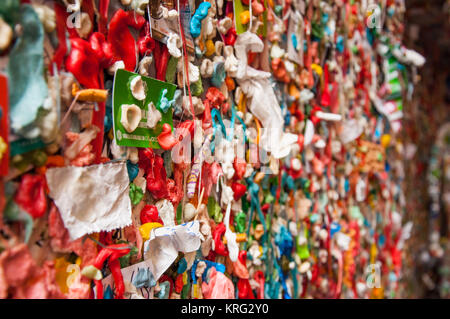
(161,250)
(263,103)
(92,198)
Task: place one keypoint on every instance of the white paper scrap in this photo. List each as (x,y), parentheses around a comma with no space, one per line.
(161,250)
(92,198)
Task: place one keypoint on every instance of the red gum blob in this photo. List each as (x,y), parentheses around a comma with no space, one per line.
(122,42)
(244,289)
(219,246)
(156,179)
(146,43)
(257,8)
(240,166)
(239,190)
(31,195)
(83,63)
(279,70)
(149,214)
(230,37)
(215,97)
(207,120)
(102,49)
(166,140)
(259,278)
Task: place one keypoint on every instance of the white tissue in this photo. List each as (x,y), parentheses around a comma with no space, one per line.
(92,198)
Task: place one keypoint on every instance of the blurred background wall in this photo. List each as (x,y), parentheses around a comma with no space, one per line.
(427,154)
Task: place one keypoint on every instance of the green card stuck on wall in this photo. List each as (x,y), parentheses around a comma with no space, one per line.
(141,106)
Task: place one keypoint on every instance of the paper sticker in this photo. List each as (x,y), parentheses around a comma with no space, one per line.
(127,98)
(295,39)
